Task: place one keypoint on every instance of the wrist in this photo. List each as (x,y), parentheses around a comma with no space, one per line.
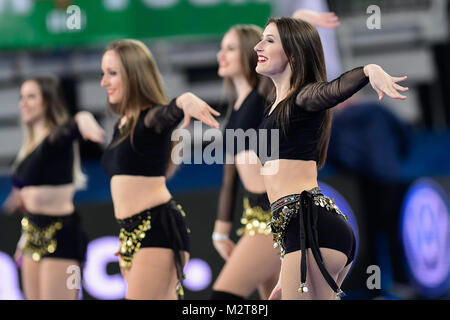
(223,227)
(369,68)
(80,114)
(218,236)
(179,101)
(298,14)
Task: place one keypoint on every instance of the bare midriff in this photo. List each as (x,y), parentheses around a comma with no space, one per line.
(284,177)
(48,200)
(134,194)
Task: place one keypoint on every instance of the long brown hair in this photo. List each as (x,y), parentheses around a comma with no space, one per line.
(249,35)
(55,114)
(303,48)
(143,86)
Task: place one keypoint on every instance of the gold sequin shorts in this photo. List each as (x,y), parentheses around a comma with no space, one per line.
(311,220)
(256,216)
(163,226)
(53,237)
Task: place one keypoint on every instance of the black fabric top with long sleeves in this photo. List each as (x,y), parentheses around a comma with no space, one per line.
(308,106)
(248,116)
(51,162)
(147,154)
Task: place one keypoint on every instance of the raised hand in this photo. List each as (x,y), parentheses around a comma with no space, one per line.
(383,83)
(89,127)
(195,107)
(221,242)
(319,19)
(224,247)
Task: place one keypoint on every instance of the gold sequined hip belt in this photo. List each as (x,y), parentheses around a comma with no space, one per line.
(162,226)
(40,234)
(304,206)
(256,215)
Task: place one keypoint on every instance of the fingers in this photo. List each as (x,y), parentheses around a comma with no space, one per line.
(98,136)
(187,120)
(213,111)
(400,88)
(330,20)
(397,79)
(380,94)
(208,119)
(394,94)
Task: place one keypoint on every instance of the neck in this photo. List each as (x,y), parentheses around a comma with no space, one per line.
(242,87)
(282,84)
(39,129)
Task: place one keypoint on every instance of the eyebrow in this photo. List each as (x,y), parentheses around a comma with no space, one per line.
(269,35)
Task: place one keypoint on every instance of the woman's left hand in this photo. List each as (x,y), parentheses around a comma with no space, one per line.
(89,127)
(383,83)
(195,107)
(327,20)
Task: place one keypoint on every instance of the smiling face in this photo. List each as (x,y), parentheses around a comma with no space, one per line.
(272,60)
(112,79)
(32,105)
(229,56)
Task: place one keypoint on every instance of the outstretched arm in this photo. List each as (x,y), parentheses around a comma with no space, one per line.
(186,105)
(195,107)
(83,124)
(383,83)
(89,127)
(324,95)
(12,202)
(227,200)
(327,20)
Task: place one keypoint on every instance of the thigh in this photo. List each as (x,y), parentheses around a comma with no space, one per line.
(55,278)
(153,274)
(318,288)
(30,278)
(265,289)
(253,261)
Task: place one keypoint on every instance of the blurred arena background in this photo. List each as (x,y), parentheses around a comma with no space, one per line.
(388,162)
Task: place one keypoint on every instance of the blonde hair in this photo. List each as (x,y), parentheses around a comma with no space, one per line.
(55,114)
(143,87)
(249,35)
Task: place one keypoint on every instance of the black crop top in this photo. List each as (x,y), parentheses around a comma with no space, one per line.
(307,113)
(148,154)
(51,162)
(248,116)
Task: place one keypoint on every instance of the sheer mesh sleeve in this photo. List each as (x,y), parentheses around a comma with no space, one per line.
(227,197)
(162,118)
(324,95)
(64,134)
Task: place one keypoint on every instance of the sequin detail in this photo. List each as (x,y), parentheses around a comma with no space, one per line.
(130,242)
(290,206)
(254,220)
(39,242)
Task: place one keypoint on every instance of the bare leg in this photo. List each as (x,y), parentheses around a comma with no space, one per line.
(343,274)
(153,275)
(252,262)
(267,286)
(318,288)
(54,276)
(30,278)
